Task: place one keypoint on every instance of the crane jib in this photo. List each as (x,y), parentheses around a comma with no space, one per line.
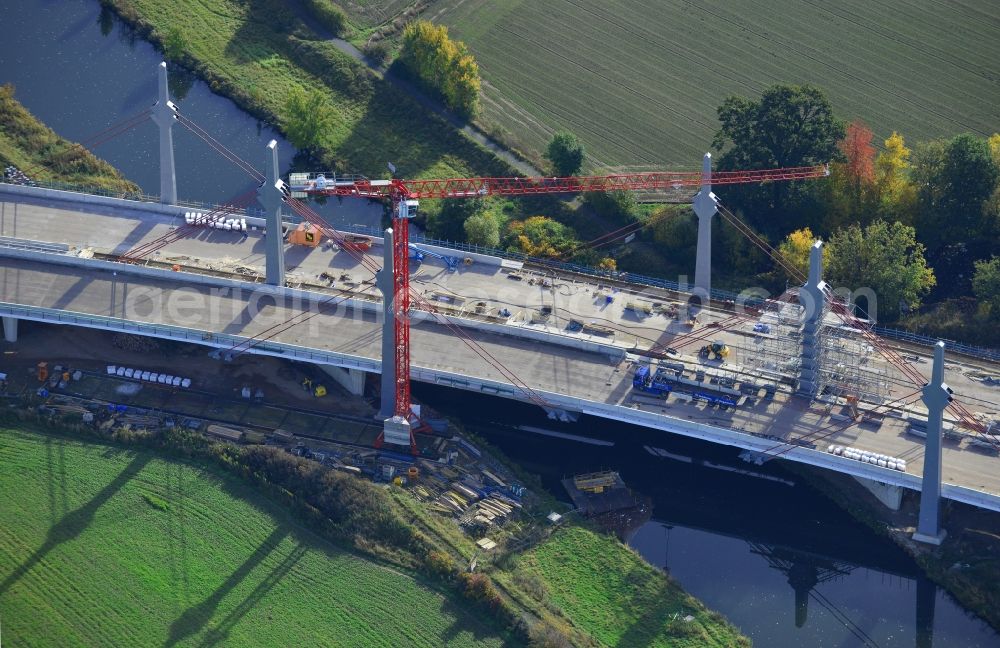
(519,186)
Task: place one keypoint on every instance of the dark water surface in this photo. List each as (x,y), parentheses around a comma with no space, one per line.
(775,556)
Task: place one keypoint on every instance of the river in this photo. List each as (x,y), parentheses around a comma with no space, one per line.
(80,70)
(743,544)
(779,559)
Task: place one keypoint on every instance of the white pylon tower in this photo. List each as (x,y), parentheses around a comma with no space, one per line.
(164,114)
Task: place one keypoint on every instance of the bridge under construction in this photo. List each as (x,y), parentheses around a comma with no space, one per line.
(802,378)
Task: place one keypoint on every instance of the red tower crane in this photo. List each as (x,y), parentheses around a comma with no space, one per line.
(400,192)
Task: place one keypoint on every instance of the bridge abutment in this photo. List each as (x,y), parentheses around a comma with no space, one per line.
(353,380)
(890,495)
(10,329)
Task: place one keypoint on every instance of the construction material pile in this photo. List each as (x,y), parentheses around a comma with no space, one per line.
(136,343)
(149,376)
(14,175)
(216,221)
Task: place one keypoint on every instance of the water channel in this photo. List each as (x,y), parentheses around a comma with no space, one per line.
(773,555)
(80,70)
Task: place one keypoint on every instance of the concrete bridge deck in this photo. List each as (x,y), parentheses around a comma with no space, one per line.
(573,371)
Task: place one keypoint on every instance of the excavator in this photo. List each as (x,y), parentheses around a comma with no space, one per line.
(714,351)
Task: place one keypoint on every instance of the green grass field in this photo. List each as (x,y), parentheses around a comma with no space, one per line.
(258,51)
(105,547)
(640,82)
(613,595)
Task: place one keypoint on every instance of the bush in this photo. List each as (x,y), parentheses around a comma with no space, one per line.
(378,51)
(440,565)
(329,15)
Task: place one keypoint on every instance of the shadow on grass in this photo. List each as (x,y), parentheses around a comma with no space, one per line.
(76,522)
(219,634)
(197,617)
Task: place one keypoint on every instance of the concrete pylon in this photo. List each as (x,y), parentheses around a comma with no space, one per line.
(705,205)
(813,298)
(10,329)
(384,282)
(164,114)
(936,396)
(272,196)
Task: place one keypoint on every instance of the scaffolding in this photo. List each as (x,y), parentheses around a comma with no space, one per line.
(776,352)
(847,368)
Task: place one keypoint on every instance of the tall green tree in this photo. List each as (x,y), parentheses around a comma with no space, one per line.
(565,154)
(954,181)
(884,257)
(443,65)
(483,228)
(307,116)
(789,126)
(986,286)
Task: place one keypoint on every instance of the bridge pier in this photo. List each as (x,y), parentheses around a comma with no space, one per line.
(384,282)
(813,298)
(272,196)
(353,380)
(164,115)
(705,204)
(890,495)
(10,329)
(936,396)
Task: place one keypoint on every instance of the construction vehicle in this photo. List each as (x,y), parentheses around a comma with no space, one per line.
(645,381)
(450,262)
(714,351)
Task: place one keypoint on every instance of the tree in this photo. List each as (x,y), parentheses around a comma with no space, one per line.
(565,153)
(443,65)
(330,15)
(891,167)
(859,154)
(994,143)
(620,206)
(307,116)
(174,43)
(796,249)
(789,126)
(540,236)
(986,286)
(483,228)
(885,258)
(954,180)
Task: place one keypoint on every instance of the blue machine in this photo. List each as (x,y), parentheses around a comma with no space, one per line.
(450,262)
(652,384)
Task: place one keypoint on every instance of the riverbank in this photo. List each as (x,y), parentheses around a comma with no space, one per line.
(393,524)
(37,151)
(257,53)
(966,565)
